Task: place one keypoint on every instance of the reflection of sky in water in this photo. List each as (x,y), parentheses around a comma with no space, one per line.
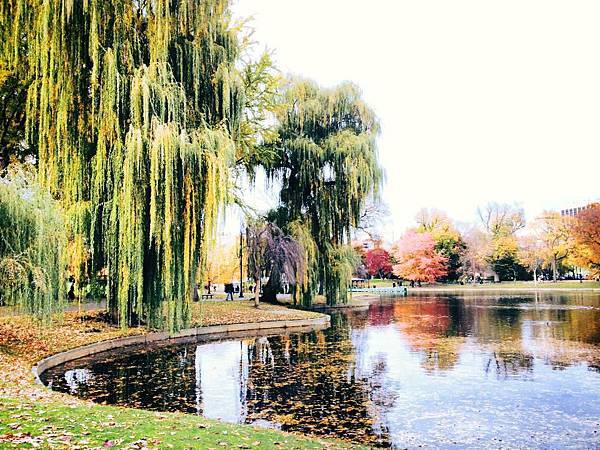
(76,377)
(434,371)
(221,371)
(469,405)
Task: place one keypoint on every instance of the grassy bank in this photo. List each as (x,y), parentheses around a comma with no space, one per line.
(26,423)
(33,416)
(542,285)
(357,300)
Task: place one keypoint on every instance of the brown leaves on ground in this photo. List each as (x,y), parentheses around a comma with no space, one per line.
(220,312)
(22,336)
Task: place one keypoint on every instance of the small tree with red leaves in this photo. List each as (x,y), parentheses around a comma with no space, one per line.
(378,262)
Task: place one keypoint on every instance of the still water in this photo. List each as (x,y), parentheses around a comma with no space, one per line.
(438,371)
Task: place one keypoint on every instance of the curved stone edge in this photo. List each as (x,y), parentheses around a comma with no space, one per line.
(218,331)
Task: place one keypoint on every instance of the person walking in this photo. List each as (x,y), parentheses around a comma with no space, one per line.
(229,291)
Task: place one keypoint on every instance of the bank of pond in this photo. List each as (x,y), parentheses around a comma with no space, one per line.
(433,370)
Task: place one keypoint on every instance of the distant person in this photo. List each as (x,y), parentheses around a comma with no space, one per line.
(71,293)
(229,291)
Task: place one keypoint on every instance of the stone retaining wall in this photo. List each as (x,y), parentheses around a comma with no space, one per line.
(216,331)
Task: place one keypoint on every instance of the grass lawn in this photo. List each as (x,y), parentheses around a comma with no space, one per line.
(33,416)
(54,424)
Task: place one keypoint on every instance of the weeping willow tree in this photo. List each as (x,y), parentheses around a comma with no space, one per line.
(134,108)
(328,167)
(32,238)
(273,254)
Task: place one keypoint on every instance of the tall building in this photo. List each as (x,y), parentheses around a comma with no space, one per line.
(573,212)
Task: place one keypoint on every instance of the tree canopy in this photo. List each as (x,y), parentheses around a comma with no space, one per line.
(448,241)
(273,254)
(417,259)
(586,231)
(326,161)
(32,245)
(137,113)
(378,262)
(135,109)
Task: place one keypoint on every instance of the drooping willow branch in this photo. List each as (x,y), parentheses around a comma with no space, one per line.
(32,240)
(134,109)
(273,254)
(326,160)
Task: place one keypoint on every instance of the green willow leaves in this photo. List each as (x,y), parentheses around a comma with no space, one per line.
(140,111)
(134,109)
(32,242)
(326,160)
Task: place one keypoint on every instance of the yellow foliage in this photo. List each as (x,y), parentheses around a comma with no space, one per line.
(554,233)
(223,263)
(504,246)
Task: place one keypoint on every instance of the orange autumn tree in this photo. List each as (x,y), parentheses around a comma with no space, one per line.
(417,259)
(586,230)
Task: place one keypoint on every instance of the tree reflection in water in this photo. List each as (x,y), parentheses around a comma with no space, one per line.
(430,370)
(309,382)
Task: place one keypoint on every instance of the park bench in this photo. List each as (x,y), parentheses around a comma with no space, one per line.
(207,296)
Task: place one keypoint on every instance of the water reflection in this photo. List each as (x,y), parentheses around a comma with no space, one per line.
(428,370)
(221,379)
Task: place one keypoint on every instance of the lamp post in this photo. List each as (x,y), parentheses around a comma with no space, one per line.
(241,263)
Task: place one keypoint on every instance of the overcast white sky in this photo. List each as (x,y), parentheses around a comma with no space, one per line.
(479,100)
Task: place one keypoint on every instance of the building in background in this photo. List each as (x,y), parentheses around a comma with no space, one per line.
(573,212)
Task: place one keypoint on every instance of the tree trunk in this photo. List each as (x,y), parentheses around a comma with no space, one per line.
(554,270)
(257,293)
(271,289)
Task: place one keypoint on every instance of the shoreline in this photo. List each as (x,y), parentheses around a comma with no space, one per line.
(365,299)
(30,350)
(411,291)
(208,333)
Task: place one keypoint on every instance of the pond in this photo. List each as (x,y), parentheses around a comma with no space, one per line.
(438,371)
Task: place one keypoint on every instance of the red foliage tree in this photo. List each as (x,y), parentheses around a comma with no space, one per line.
(378,262)
(417,258)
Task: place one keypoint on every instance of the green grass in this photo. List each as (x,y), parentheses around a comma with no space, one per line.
(25,424)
